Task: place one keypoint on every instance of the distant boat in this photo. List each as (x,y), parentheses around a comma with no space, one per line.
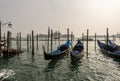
(61,51)
(111,48)
(76,51)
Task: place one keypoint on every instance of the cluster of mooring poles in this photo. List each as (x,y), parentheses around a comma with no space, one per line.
(6,50)
(30,42)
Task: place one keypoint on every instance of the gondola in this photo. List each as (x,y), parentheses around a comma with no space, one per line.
(76,51)
(106,47)
(111,49)
(61,51)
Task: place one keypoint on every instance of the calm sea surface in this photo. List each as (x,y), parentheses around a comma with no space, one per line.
(98,67)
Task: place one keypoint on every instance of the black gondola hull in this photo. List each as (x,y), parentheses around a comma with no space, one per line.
(108,50)
(56,56)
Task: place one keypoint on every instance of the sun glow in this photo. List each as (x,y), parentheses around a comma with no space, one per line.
(105,5)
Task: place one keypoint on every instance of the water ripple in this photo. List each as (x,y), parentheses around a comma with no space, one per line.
(5,73)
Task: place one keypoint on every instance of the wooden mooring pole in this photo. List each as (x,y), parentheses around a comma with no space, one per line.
(95,41)
(87,43)
(67,33)
(27,42)
(10,40)
(32,42)
(68,38)
(55,35)
(48,39)
(8,43)
(107,37)
(37,41)
(4,41)
(51,39)
(59,37)
(20,41)
(17,41)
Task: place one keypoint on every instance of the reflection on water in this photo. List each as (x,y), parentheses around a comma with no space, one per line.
(75,64)
(52,65)
(51,68)
(32,58)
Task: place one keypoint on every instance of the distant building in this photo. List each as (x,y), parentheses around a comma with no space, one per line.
(56,35)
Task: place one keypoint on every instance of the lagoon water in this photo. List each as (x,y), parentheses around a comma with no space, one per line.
(98,67)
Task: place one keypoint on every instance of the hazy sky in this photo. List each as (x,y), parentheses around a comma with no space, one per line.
(78,15)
